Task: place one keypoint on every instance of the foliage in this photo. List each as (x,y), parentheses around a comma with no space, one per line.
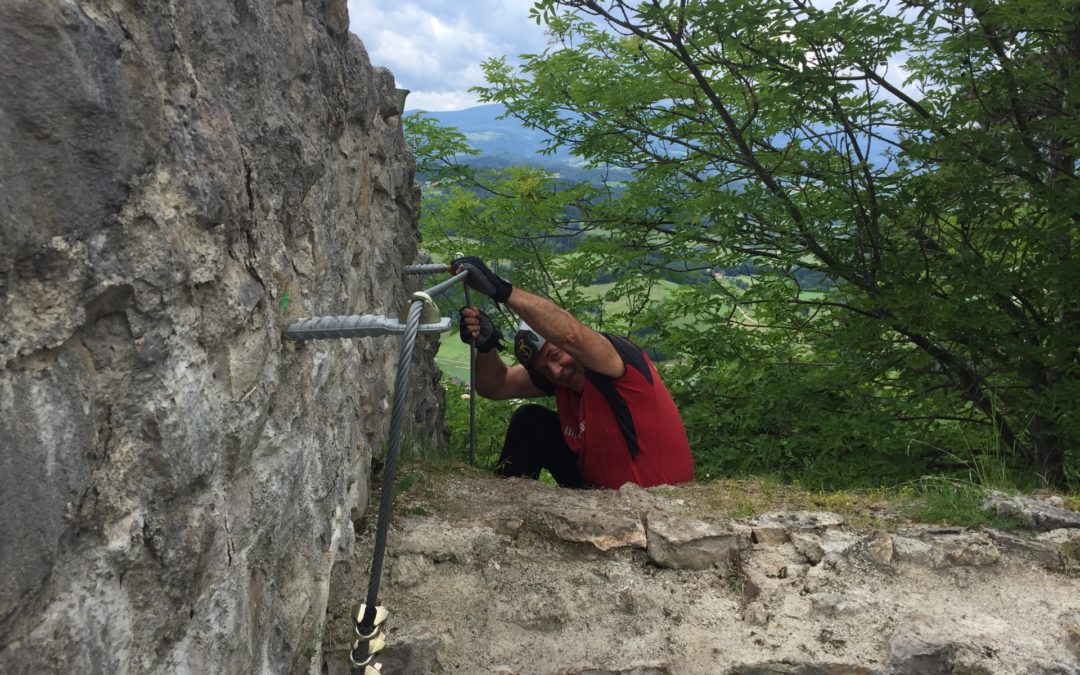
(491,420)
(938,214)
(953,502)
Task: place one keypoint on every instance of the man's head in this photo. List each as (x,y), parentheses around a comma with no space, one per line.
(533,350)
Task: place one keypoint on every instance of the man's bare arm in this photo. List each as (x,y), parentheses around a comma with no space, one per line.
(494,379)
(589,348)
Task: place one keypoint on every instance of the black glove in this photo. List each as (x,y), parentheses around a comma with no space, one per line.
(489,337)
(482,279)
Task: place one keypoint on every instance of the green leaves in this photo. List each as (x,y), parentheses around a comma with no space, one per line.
(881,206)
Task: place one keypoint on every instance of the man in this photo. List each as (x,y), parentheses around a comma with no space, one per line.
(616,421)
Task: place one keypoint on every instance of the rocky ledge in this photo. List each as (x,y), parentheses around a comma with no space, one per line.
(509,576)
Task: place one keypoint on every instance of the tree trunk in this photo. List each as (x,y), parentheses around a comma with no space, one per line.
(1048,456)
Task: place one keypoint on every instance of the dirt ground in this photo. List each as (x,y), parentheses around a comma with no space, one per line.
(481,577)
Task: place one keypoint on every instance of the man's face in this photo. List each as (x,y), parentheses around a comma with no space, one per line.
(559,367)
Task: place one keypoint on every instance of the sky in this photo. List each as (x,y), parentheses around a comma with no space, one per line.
(434,48)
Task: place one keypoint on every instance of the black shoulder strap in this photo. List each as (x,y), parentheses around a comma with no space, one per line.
(634,357)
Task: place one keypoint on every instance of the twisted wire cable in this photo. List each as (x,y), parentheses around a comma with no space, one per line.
(397,419)
(428,268)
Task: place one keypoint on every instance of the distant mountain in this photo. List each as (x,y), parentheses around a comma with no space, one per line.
(506,142)
(501,142)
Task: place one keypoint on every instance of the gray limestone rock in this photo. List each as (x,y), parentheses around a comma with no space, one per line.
(409,569)
(837,545)
(685,543)
(1070,630)
(792,668)
(1067,544)
(879,548)
(1043,553)
(776,527)
(431,538)
(808,545)
(180,181)
(938,547)
(413,653)
(1041,514)
(966,549)
(637,669)
(922,643)
(919,646)
(839,604)
(755,614)
(602,529)
(914,552)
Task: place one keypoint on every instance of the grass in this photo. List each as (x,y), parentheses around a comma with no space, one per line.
(930,500)
(955,503)
(660,292)
(453,358)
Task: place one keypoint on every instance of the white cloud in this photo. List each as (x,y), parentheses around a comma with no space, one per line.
(434,47)
(433,101)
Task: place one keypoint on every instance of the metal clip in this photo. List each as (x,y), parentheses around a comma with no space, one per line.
(428,315)
(363,651)
(380,618)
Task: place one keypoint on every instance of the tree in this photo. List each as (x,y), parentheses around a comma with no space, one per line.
(941,209)
(547,233)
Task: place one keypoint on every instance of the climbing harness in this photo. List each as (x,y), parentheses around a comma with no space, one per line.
(370,639)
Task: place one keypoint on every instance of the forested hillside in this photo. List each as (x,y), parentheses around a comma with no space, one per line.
(849,231)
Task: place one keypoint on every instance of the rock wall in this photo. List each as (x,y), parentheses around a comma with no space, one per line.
(178,181)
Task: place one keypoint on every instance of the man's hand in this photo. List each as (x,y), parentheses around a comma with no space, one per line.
(482,279)
(477,330)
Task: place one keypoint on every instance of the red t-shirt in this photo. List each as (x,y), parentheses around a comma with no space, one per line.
(624,430)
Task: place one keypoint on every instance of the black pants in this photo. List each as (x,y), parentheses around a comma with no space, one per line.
(534,442)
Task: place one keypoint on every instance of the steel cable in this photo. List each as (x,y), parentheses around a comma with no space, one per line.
(397,421)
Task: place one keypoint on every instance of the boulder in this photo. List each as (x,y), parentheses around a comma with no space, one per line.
(1067,544)
(604,530)
(1044,553)
(1040,514)
(685,543)
(776,527)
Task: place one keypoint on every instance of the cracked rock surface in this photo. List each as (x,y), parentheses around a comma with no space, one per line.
(178,181)
(488,575)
